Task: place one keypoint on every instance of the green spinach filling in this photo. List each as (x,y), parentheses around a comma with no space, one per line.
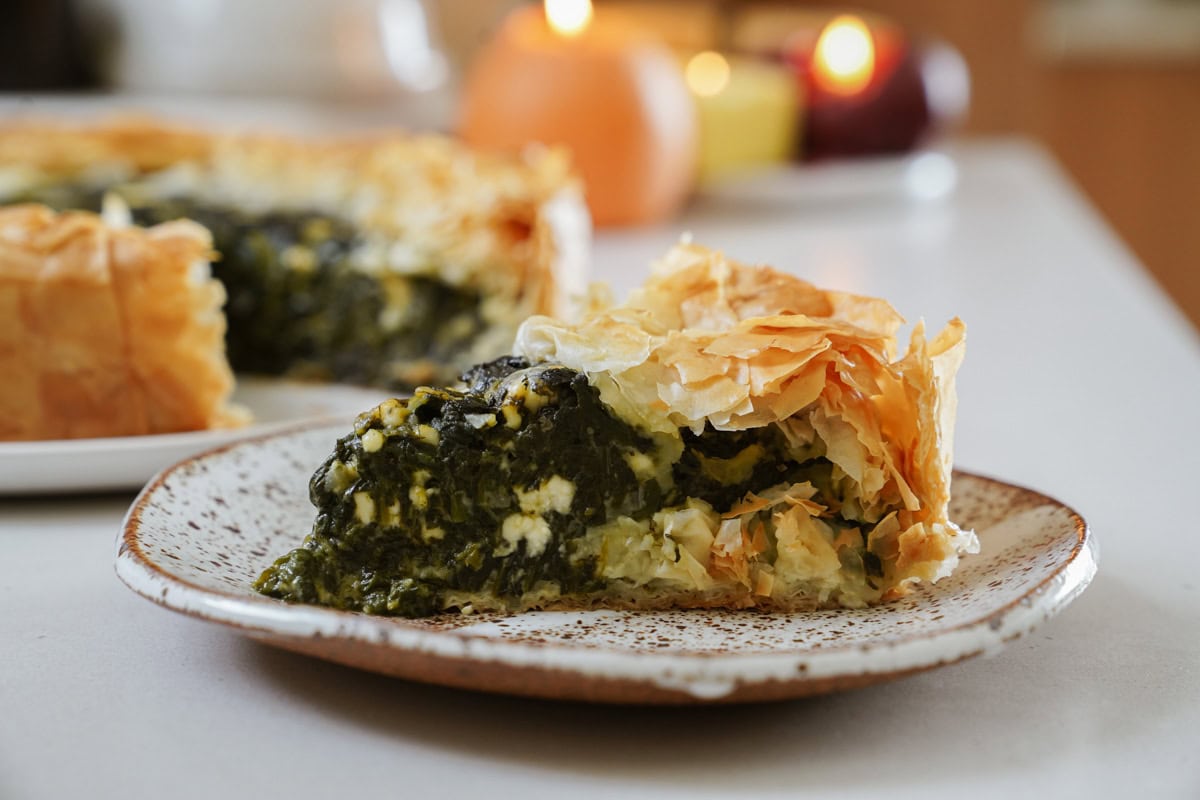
(298,305)
(416,509)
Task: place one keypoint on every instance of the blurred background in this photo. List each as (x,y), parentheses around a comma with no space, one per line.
(1111,87)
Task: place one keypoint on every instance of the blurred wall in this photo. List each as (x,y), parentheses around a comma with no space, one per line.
(1130,134)
(1120,112)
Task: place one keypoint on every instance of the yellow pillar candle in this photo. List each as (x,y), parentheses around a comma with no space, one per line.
(749,112)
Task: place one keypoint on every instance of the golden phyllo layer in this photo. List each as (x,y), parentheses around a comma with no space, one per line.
(108,331)
(708,343)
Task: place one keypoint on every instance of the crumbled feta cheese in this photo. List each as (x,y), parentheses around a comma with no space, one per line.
(533,400)
(393,413)
(390,515)
(364,507)
(556,493)
(641,464)
(372,441)
(534,530)
(418,497)
(340,476)
(299,258)
(481,420)
(524,394)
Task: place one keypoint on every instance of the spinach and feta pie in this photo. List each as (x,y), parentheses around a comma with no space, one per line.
(391,260)
(108,331)
(730,437)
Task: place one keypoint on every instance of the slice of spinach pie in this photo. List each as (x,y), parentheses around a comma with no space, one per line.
(730,437)
(390,260)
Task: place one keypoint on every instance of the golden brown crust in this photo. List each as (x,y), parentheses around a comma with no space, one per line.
(135,144)
(709,341)
(108,331)
(477,220)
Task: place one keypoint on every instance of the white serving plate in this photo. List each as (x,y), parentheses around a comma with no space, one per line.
(127,462)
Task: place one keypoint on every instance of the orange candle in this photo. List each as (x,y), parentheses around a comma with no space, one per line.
(611,94)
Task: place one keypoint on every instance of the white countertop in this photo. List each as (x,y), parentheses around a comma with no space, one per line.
(1081,381)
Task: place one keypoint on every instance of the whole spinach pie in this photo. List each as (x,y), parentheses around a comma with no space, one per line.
(730,437)
(389,260)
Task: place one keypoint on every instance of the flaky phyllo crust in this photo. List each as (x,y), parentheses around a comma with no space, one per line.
(108,331)
(711,342)
(426,206)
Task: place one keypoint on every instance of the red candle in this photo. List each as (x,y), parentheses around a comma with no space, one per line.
(869,90)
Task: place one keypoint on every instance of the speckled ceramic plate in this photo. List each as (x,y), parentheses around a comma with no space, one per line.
(200,533)
(127,462)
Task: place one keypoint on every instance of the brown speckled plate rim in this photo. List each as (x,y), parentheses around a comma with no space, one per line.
(253,614)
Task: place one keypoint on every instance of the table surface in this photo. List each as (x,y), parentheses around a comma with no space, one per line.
(1081,380)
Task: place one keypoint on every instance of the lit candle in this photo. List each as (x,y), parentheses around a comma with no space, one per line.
(870,91)
(612,95)
(844,59)
(749,112)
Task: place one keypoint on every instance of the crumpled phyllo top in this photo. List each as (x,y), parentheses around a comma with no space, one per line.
(708,341)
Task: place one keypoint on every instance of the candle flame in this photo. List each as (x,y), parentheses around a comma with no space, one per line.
(844,61)
(707,73)
(568,17)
